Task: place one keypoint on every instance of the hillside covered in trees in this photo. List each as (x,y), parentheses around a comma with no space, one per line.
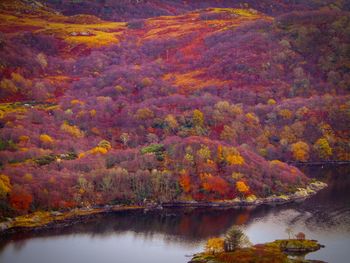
(117,102)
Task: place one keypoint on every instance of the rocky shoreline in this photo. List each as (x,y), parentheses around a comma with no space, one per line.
(300,195)
(48,220)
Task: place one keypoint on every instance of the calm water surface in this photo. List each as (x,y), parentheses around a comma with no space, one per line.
(173,235)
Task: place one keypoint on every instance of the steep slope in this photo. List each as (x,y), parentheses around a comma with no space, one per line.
(203,105)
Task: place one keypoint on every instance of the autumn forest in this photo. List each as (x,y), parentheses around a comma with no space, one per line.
(128,102)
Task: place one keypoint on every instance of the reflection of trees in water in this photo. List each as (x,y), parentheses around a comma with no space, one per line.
(328,209)
(331,207)
(187,225)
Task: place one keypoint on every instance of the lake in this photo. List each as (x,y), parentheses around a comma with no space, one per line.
(174,235)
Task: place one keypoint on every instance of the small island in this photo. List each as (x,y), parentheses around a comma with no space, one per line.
(235,247)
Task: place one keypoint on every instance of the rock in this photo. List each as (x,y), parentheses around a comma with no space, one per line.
(318,185)
(85,33)
(236,200)
(251,198)
(4,226)
(56,213)
(82,33)
(277,199)
(283,197)
(301,193)
(310,191)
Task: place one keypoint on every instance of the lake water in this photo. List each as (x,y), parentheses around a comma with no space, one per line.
(173,235)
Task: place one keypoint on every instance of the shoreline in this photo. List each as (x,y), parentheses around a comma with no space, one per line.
(44,220)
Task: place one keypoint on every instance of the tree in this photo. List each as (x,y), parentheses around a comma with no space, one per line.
(214,184)
(185,181)
(300,236)
(171,121)
(198,118)
(204,152)
(42,60)
(7,87)
(289,231)
(46,138)
(232,156)
(72,130)
(20,198)
(300,151)
(228,133)
(235,159)
(144,114)
(98,150)
(235,238)
(271,102)
(215,245)
(323,148)
(105,144)
(242,187)
(124,137)
(285,113)
(5,185)
(107,183)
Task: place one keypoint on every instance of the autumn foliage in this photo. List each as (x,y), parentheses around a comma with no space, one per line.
(20,199)
(103,106)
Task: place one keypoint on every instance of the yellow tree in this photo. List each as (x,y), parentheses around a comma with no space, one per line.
(198,118)
(5,185)
(242,188)
(220,154)
(300,151)
(105,144)
(72,130)
(233,156)
(323,148)
(215,245)
(204,152)
(144,114)
(46,138)
(171,121)
(271,102)
(235,159)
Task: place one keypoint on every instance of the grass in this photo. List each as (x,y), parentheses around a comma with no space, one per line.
(287,244)
(100,34)
(272,252)
(43,218)
(193,80)
(256,254)
(8,108)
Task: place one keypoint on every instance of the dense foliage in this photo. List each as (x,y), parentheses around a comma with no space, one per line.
(207,104)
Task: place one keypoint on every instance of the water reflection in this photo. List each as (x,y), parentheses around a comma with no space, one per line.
(325,217)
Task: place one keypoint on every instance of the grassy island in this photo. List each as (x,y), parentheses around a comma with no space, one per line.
(235,247)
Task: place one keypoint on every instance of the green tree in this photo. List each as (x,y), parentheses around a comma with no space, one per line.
(235,238)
